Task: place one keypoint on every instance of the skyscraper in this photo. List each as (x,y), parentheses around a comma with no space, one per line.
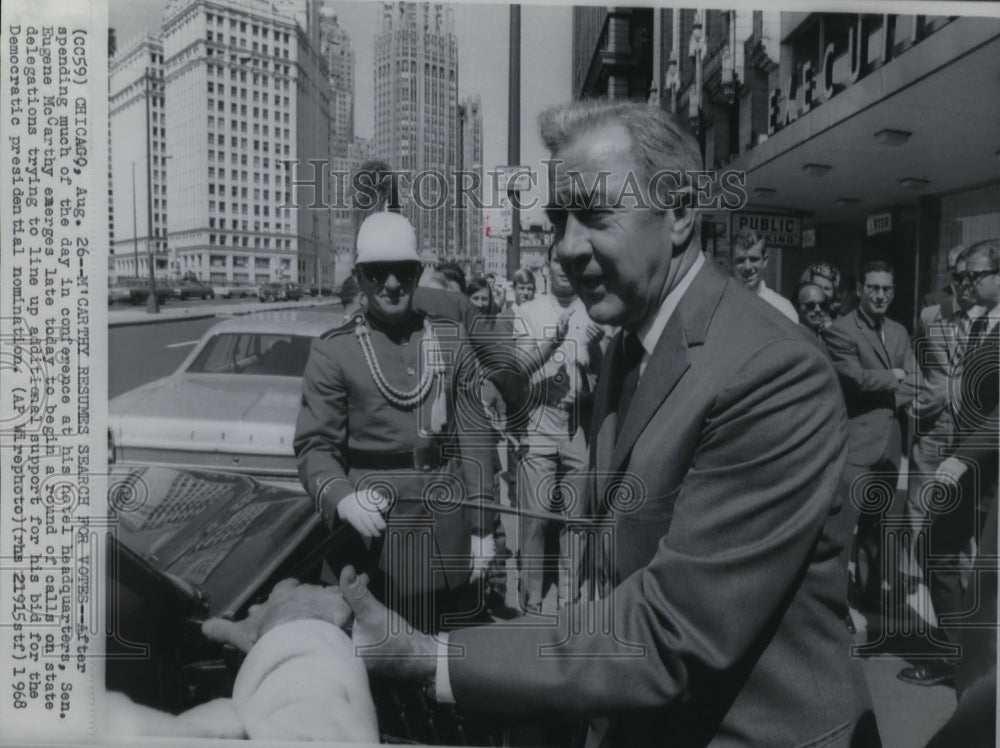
(416,112)
(335,46)
(468,217)
(247,91)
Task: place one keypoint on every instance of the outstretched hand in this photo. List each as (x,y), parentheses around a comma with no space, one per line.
(288,601)
(389,645)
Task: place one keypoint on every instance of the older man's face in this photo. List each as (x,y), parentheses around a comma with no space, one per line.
(617,256)
(814,309)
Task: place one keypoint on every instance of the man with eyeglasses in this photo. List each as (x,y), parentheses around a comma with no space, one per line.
(380,441)
(877,370)
(941,338)
(973,464)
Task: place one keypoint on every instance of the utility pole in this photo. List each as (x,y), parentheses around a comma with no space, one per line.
(152,304)
(135,227)
(514,135)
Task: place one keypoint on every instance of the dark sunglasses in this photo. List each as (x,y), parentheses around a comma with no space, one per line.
(810,305)
(378,273)
(972,277)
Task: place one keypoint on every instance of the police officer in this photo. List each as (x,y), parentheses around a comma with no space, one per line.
(379,441)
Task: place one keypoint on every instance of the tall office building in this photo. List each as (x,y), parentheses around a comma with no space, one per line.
(138,167)
(342,231)
(246,90)
(416,111)
(469,218)
(335,46)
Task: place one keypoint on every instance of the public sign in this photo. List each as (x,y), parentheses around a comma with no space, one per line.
(778,231)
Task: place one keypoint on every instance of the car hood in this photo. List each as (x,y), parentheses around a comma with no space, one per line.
(248,414)
(214,537)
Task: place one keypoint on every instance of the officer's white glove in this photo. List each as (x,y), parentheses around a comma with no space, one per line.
(364,511)
(483,549)
(951,470)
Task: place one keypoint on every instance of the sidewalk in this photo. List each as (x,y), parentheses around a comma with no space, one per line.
(171,312)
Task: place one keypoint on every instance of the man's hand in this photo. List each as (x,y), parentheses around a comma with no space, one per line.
(593,333)
(951,470)
(363,511)
(899,374)
(389,645)
(288,601)
(484,548)
(562,327)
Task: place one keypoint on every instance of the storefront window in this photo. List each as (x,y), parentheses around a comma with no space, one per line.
(967,217)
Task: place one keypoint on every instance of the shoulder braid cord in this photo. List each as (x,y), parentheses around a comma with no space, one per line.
(433,369)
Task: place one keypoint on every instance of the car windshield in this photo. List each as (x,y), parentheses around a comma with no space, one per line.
(269,354)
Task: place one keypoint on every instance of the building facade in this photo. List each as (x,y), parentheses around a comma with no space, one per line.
(856,136)
(416,113)
(247,92)
(138,175)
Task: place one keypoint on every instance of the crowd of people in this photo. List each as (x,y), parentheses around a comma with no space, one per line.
(722,452)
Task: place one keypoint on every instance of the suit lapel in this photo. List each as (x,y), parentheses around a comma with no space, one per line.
(687,328)
(665,367)
(873,340)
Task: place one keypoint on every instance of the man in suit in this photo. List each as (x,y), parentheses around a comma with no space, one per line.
(940,341)
(877,369)
(973,464)
(718,444)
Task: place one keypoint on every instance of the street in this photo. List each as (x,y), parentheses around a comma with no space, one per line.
(140,353)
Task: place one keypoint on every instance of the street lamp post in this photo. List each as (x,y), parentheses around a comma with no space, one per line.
(514,134)
(152,303)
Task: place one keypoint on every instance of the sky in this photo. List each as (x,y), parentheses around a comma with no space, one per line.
(482,30)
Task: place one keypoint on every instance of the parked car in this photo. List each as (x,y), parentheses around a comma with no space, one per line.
(193,289)
(186,546)
(294,291)
(230,405)
(272,292)
(233,290)
(135,291)
(327,290)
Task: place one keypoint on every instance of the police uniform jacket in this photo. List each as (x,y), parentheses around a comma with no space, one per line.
(349,435)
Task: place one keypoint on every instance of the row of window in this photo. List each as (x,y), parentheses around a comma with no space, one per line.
(258,79)
(234,142)
(242,127)
(255,29)
(220,240)
(242,208)
(278,149)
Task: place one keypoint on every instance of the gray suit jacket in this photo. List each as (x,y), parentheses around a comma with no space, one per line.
(873,395)
(725,626)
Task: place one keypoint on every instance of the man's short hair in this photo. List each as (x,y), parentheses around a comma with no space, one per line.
(877,266)
(452,271)
(989,248)
(659,141)
(746,238)
(806,284)
(524,276)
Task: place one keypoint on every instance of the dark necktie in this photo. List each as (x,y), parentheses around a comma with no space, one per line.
(630,362)
(978,331)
